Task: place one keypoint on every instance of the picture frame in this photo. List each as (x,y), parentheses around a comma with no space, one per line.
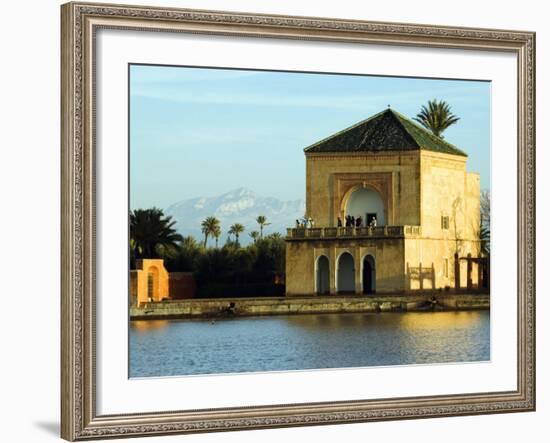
(80,24)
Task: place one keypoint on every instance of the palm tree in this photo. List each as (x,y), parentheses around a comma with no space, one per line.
(208,226)
(436,117)
(254,235)
(216,234)
(262,221)
(151,232)
(236,229)
(189,242)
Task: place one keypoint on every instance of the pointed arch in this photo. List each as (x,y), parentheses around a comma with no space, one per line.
(322,275)
(345,274)
(368,274)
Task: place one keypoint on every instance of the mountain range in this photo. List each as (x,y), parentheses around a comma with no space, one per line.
(240,205)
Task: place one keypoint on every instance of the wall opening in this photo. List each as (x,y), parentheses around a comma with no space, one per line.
(369,275)
(366,203)
(150,282)
(323,275)
(153,284)
(346,274)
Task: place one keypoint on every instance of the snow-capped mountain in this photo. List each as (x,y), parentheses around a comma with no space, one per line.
(238,206)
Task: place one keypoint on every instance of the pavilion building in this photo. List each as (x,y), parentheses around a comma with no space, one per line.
(426,206)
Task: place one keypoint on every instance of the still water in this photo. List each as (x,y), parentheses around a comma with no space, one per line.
(281,343)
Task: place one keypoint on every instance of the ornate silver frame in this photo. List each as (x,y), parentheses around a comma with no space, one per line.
(79,420)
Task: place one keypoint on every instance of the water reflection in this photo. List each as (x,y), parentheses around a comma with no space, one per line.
(443,320)
(142,326)
(411,321)
(181,347)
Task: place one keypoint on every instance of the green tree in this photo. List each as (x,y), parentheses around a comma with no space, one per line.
(485,237)
(485,223)
(256,270)
(235,230)
(189,242)
(436,117)
(216,234)
(209,226)
(262,221)
(152,233)
(185,257)
(133,253)
(255,235)
(277,248)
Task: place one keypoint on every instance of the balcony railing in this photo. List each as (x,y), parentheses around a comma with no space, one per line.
(352,232)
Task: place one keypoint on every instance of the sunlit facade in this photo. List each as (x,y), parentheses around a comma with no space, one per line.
(392,209)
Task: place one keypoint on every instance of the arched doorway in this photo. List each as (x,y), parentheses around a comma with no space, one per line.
(346,274)
(369,275)
(323,276)
(366,203)
(153,284)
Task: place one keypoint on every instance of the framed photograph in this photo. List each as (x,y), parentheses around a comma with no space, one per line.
(277,221)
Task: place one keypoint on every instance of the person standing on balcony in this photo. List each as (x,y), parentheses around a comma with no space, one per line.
(339,222)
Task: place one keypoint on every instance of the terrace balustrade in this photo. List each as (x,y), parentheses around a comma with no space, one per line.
(408,231)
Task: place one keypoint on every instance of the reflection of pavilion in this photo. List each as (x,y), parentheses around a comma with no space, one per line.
(425,203)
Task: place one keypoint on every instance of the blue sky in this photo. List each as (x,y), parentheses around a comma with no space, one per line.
(202,132)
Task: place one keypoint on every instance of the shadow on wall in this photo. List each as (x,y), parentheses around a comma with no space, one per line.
(420,277)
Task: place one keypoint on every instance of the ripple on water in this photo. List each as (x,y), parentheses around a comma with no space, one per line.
(280,343)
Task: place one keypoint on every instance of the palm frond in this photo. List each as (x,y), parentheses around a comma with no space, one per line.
(436,117)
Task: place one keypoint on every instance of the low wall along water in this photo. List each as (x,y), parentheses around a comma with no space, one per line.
(307,305)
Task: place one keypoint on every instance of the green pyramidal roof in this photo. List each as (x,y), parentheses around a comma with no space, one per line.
(385,131)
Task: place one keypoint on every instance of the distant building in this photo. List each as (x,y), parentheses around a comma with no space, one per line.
(151,282)
(416,188)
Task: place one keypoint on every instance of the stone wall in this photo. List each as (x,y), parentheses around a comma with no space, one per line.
(302,256)
(149,281)
(300,267)
(308,305)
(396,175)
(182,285)
(422,188)
(449,191)
(440,254)
(152,282)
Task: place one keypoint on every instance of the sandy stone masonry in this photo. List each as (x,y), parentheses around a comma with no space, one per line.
(430,207)
(151,282)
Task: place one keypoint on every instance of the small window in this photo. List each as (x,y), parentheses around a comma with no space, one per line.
(446,267)
(444,222)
